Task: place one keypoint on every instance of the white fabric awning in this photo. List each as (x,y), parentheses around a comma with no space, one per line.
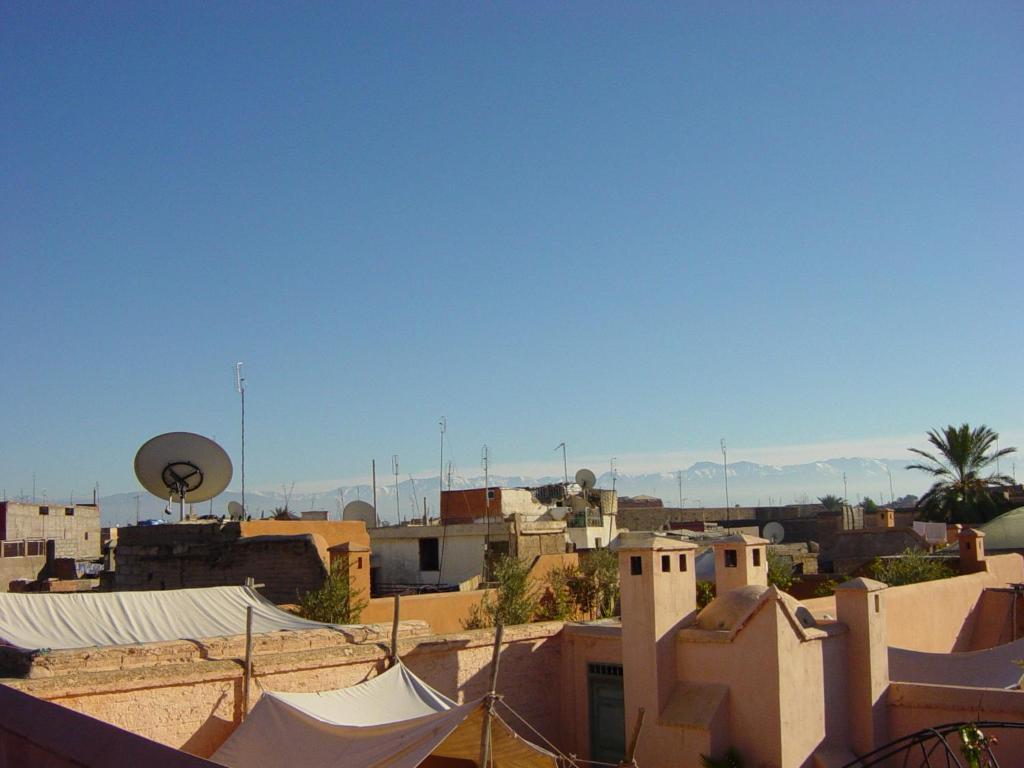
(96,619)
(394,720)
(988,668)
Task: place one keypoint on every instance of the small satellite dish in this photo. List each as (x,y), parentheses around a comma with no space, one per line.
(586,479)
(235,511)
(360,511)
(774,532)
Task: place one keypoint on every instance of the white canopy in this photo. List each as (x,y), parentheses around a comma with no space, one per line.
(91,619)
(394,720)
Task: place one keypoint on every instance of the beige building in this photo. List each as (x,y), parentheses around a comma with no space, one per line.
(29,533)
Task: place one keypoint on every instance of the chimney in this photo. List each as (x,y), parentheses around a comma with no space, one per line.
(659,594)
(860,605)
(740,560)
(972,550)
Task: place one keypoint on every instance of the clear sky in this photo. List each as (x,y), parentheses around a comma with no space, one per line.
(633,227)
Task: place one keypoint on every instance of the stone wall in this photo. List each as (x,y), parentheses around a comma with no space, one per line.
(189,694)
(211,554)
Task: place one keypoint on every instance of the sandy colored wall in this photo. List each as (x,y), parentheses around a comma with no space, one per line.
(913,619)
(194,703)
(460,549)
(583,644)
(913,707)
(444,612)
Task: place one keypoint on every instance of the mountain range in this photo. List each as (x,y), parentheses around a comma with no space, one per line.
(703,484)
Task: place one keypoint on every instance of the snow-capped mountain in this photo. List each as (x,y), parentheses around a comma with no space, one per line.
(703,484)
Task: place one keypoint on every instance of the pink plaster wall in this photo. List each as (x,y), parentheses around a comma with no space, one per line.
(583,645)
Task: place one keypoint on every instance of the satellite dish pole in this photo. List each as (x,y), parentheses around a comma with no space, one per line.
(240,389)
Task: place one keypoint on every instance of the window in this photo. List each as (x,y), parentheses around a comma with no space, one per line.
(359,563)
(44,510)
(682,563)
(429,560)
(730,558)
(35,548)
(878,604)
(666,563)
(86,535)
(69,511)
(757,556)
(490,494)
(14,548)
(636,565)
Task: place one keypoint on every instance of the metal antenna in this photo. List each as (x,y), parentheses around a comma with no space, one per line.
(679,477)
(565,465)
(485,462)
(443,424)
(892,496)
(615,474)
(240,389)
(845,492)
(725,465)
(394,471)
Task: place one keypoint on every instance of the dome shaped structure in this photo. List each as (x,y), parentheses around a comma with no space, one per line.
(728,611)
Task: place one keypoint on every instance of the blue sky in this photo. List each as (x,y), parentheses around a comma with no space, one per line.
(633,227)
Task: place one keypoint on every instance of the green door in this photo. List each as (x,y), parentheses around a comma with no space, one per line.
(607,712)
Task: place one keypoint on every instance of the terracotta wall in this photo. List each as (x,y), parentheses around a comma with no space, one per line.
(445,612)
(939,616)
(582,645)
(470,505)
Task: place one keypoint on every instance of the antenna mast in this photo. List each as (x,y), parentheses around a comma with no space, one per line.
(725,467)
(485,461)
(565,465)
(240,389)
(394,471)
(443,424)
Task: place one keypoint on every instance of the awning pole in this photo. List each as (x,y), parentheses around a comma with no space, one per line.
(394,634)
(248,661)
(490,698)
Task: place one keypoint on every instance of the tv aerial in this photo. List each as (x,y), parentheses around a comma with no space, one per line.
(360,511)
(774,532)
(586,479)
(183,467)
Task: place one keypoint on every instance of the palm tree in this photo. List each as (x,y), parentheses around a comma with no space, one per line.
(831,503)
(960,493)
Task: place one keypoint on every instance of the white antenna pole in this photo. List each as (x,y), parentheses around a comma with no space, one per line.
(240,389)
(615,474)
(443,424)
(892,496)
(845,492)
(679,477)
(725,466)
(394,470)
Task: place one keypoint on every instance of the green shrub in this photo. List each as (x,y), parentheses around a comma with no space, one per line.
(516,601)
(335,602)
(780,571)
(705,593)
(910,567)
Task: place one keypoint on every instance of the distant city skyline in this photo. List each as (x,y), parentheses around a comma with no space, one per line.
(635,229)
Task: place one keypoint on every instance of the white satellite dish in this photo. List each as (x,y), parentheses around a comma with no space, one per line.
(183,467)
(586,479)
(235,511)
(360,511)
(774,532)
